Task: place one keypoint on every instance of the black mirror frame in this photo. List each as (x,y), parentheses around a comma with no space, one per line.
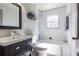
(20,19)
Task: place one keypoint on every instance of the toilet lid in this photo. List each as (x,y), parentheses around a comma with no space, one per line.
(42,45)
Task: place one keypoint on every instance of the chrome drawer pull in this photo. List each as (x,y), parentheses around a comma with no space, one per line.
(28,43)
(17,48)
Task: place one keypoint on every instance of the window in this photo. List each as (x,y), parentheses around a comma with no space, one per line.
(52,21)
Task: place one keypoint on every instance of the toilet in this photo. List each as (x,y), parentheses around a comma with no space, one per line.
(41,51)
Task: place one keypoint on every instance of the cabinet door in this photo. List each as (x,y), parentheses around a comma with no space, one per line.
(18,47)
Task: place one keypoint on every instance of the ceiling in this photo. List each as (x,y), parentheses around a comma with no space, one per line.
(42,6)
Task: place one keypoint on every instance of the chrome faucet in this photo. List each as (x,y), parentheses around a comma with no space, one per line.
(13,34)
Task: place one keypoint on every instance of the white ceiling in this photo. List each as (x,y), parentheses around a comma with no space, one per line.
(42,6)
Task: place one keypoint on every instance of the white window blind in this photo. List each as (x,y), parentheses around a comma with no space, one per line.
(52,21)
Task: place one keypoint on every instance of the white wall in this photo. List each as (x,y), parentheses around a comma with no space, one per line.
(4,33)
(32,27)
(27,24)
(1,17)
(57,33)
(41,6)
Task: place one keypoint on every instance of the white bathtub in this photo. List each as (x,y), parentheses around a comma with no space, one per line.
(54,48)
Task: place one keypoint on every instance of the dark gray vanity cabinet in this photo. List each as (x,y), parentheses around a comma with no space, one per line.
(14,49)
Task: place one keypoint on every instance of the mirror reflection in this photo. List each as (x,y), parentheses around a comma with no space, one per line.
(9,15)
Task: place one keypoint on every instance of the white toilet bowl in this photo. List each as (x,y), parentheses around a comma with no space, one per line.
(41,50)
(44,49)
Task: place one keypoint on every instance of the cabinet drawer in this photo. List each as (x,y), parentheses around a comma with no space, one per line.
(15,48)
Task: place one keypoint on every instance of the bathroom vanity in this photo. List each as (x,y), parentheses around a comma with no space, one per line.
(13,48)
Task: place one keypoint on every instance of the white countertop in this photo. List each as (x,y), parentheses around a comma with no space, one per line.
(4,41)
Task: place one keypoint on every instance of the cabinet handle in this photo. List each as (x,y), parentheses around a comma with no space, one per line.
(29,43)
(17,48)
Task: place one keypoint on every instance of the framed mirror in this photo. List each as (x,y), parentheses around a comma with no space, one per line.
(10,16)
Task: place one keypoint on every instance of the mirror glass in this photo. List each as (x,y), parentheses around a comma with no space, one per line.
(9,15)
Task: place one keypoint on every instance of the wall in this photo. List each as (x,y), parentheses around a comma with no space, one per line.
(32,27)
(27,24)
(41,6)
(4,33)
(57,34)
(1,13)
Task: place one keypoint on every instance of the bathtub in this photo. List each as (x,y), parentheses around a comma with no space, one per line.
(54,48)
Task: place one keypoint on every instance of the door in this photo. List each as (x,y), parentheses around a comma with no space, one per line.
(73,30)
(76,19)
